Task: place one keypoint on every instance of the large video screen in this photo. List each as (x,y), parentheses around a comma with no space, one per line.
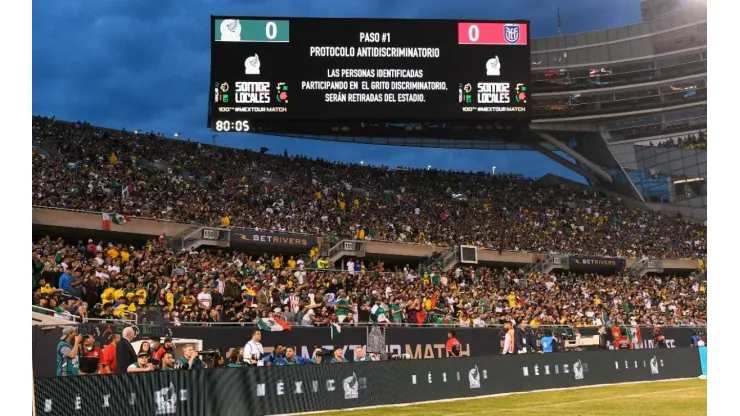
(367,70)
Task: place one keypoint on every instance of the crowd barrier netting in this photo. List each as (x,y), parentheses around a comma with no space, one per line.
(297,389)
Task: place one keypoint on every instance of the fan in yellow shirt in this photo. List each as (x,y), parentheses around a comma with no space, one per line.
(122,308)
(291,263)
(511,297)
(108,295)
(276,262)
(46,289)
(170,297)
(141,294)
(125,255)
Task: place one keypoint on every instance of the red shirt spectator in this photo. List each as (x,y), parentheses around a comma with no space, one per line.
(108,362)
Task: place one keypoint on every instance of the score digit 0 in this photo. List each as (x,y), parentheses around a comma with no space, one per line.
(473,33)
(271,30)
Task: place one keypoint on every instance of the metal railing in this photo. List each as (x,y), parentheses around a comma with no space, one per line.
(76,320)
(84,211)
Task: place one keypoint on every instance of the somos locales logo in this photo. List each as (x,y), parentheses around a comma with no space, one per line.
(351,387)
(166,400)
(474,378)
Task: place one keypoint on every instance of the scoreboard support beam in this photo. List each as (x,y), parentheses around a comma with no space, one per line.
(563,161)
(605,177)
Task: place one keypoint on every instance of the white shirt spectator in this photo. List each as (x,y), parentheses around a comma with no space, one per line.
(306,320)
(205,299)
(251,349)
(507,343)
(351,267)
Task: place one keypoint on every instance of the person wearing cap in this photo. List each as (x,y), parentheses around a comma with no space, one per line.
(338,356)
(141,365)
(68,361)
(161,349)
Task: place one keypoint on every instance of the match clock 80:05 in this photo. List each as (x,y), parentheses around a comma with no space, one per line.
(231,125)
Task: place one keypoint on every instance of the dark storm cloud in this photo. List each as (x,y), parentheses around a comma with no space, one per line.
(145,63)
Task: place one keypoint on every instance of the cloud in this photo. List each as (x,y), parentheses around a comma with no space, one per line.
(144,64)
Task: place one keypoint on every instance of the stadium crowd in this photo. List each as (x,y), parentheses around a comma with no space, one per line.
(78,166)
(691,142)
(109,281)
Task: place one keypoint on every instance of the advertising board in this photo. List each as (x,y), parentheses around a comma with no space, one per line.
(306,388)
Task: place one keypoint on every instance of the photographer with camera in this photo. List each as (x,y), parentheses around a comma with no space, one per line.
(253,350)
(189,360)
(68,360)
(318,356)
(142,364)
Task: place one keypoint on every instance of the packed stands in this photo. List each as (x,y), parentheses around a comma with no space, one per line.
(112,281)
(691,142)
(79,166)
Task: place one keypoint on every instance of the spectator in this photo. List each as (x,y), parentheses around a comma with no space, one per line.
(141,365)
(453,345)
(472,296)
(508,347)
(190,359)
(92,354)
(253,350)
(338,356)
(125,353)
(167,362)
(404,205)
(291,358)
(524,339)
(68,362)
(108,363)
(360,355)
(548,342)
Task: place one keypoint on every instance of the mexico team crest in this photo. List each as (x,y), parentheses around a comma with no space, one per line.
(511,33)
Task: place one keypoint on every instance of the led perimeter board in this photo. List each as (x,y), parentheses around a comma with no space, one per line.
(304,69)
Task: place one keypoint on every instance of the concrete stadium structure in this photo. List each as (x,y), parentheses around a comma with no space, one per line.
(641,85)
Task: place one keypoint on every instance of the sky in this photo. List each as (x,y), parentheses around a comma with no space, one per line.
(145,64)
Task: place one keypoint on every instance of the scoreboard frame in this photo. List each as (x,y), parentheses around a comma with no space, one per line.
(308,106)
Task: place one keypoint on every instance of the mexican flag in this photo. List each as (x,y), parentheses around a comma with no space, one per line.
(119,219)
(106,222)
(336,329)
(633,334)
(273,324)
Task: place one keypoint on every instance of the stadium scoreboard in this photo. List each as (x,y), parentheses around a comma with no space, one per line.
(272,69)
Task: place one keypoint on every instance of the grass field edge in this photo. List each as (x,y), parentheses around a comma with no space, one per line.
(487,396)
